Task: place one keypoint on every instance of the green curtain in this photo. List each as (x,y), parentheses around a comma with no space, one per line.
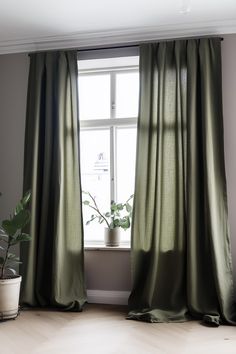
(181,256)
(53,262)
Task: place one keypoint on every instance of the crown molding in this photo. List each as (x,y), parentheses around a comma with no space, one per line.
(84,40)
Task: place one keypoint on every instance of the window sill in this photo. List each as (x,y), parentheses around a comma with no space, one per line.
(102,247)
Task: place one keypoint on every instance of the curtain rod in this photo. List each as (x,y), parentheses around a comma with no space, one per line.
(125,45)
(137,44)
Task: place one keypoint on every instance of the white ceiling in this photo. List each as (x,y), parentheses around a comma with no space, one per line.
(32,24)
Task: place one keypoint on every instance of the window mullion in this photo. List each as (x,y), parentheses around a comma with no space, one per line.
(115,161)
(112,165)
(113,95)
(112,135)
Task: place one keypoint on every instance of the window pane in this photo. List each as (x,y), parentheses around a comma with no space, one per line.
(127,95)
(95,175)
(126,156)
(94,96)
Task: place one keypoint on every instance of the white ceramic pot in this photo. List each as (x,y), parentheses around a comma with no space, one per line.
(112,237)
(9,297)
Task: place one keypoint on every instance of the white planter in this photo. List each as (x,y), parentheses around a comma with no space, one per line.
(9,297)
(112,237)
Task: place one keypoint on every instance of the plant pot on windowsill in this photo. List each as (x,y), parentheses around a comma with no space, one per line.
(117,218)
(112,237)
(10,235)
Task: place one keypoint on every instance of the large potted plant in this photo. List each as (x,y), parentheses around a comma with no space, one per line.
(11,233)
(118,217)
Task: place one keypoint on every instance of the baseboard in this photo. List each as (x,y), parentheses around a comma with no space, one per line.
(108,297)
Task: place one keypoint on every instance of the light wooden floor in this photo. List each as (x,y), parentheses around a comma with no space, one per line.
(103,330)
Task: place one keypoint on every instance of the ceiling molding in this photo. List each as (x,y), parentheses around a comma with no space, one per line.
(85,40)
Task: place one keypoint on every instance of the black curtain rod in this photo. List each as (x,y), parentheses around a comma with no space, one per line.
(109,47)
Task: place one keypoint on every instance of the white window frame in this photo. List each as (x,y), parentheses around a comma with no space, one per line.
(111,123)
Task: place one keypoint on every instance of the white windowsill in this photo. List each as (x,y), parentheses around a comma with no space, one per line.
(102,247)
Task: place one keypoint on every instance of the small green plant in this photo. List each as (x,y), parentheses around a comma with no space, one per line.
(11,234)
(120,214)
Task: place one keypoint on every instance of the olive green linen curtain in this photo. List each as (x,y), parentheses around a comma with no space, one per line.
(53,263)
(181,257)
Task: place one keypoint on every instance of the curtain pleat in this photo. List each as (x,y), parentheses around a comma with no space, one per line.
(53,262)
(181,258)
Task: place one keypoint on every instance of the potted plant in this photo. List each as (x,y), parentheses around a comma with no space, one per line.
(10,235)
(119,217)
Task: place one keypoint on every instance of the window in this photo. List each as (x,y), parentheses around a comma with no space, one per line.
(108,106)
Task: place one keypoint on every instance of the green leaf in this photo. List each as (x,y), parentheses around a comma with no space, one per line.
(16,223)
(93,217)
(107,214)
(25,200)
(86,202)
(116,222)
(13,262)
(120,206)
(132,195)
(20,220)
(114,207)
(125,222)
(12,256)
(22,204)
(9,227)
(23,237)
(18,208)
(128,207)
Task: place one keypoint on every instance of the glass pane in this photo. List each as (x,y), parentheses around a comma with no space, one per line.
(126,155)
(94,96)
(126,158)
(127,95)
(95,175)
(104,63)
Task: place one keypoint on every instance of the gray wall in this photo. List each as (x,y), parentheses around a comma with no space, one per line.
(108,270)
(105,270)
(13,90)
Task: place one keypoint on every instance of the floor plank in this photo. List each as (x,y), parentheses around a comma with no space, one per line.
(103,329)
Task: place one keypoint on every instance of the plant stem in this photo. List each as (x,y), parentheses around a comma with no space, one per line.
(5,260)
(129,199)
(97,210)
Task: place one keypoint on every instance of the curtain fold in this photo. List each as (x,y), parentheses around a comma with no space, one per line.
(53,262)
(181,258)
